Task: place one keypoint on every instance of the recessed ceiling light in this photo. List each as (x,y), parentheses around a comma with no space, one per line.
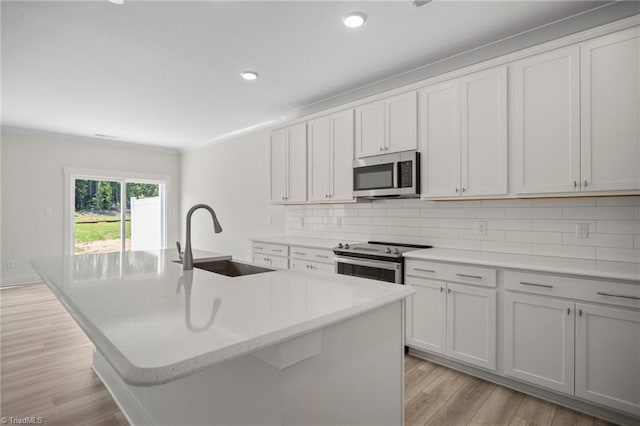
(117,1)
(354,19)
(249,75)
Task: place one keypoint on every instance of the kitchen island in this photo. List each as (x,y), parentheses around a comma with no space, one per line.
(196,347)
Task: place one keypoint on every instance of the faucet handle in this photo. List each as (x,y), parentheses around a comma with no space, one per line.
(180,253)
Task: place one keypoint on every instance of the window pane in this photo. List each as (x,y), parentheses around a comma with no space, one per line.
(145,209)
(97,216)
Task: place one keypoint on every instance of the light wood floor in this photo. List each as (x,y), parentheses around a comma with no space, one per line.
(46,372)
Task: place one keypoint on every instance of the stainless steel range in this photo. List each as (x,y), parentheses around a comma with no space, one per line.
(375,260)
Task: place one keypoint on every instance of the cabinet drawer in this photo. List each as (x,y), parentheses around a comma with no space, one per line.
(316,255)
(275,262)
(612,293)
(273,249)
(451,272)
(305,265)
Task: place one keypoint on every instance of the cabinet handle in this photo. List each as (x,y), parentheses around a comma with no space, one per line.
(464,189)
(536,285)
(386,148)
(307,266)
(448,291)
(258,248)
(441,289)
(568,311)
(301,253)
(579,312)
(469,276)
(381,149)
(618,295)
(585,183)
(424,270)
(322,256)
(277,250)
(457,190)
(575,183)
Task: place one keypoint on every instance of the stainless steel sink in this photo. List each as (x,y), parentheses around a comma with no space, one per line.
(230,268)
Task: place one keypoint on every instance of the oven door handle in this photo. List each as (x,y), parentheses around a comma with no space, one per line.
(391,266)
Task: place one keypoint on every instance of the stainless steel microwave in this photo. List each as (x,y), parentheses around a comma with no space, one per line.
(387,176)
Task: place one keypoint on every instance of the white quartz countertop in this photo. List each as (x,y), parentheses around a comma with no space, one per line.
(291,240)
(156,323)
(560,265)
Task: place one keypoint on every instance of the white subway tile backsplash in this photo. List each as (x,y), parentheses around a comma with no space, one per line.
(533,237)
(611,213)
(618,226)
(599,240)
(580,252)
(618,201)
(535,213)
(618,254)
(532,226)
(561,225)
(403,212)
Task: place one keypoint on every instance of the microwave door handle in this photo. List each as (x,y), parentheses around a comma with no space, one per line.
(396,174)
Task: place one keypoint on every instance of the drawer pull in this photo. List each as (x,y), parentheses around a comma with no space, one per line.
(424,270)
(536,285)
(470,276)
(258,248)
(277,250)
(323,256)
(619,295)
(441,289)
(301,253)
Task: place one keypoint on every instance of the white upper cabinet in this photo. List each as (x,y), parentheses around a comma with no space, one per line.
(463,136)
(484,133)
(610,99)
(331,157)
(387,126)
(401,123)
(440,140)
(319,145)
(370,135)
(547,122)
(279,160)
(341,185)
(289,165)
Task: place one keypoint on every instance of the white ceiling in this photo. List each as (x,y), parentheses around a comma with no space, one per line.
(167,73)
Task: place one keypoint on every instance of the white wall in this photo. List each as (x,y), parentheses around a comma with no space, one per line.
(233,178)
(33,180)
(543,227)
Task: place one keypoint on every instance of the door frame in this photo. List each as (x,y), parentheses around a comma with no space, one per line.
(124,177)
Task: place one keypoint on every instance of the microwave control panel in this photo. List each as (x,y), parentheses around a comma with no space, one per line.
(405,174)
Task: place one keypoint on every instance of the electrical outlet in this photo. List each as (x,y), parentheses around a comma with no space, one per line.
(11,264)
(301,221)
(267,220)
(582,231)
(48,211)
(481,227)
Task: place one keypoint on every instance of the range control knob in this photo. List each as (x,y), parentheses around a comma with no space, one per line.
(387,250)
(346,245)
(340,245)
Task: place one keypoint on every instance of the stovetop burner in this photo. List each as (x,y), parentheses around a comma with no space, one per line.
(376,249)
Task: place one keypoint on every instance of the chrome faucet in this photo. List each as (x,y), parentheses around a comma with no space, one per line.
(187,256)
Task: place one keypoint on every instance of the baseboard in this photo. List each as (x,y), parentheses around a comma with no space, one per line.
(26,281)
(556,398)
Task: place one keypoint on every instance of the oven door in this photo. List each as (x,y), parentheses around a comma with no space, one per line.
(367,268)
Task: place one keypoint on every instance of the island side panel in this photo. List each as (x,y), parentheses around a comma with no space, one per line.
(355,378)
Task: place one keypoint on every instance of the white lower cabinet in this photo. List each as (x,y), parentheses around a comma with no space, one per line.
(305,265)
(608,356)
(539,341)
(456,320)
(276,262)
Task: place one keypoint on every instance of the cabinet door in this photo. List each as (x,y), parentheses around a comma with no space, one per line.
(426,315)
(471,325)
(547,122)
(610,146)
(319,146)
(401,123)
(538,341)
(370,129)
(299,265)
(484,133)
(297,176)
(279,160)
(341,175)
(440,140)
(608,357)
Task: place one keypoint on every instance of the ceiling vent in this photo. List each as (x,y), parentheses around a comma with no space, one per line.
(419,3)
